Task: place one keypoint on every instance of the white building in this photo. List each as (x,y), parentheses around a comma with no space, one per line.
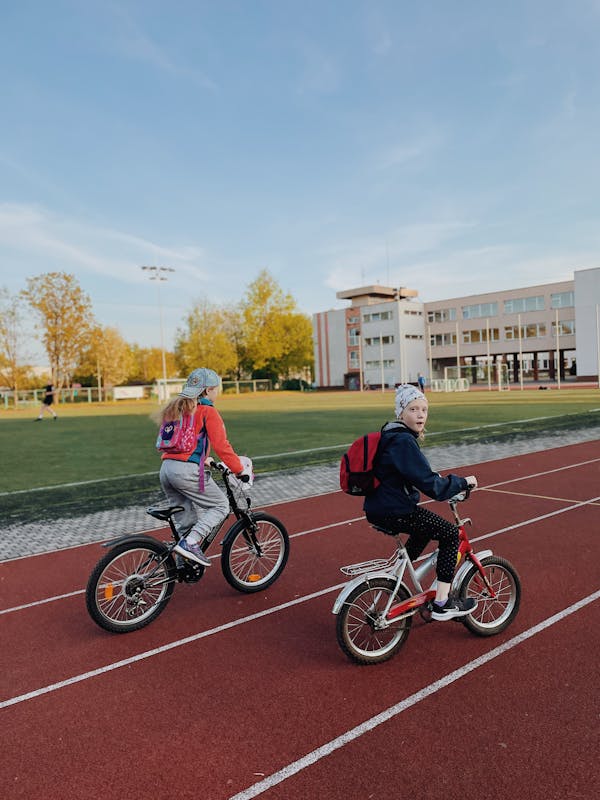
(379,339)
(388,336)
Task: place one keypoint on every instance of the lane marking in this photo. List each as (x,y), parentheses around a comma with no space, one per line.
(370,724)
(236,623)
(164,648)
(473,540)
(528,494)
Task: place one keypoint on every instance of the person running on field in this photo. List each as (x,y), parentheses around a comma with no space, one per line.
(185,477)
(47,403)
(403,472)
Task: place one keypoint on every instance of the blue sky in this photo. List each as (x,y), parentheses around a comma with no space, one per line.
(451,147)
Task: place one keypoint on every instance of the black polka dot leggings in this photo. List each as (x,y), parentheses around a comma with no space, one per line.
(422,526)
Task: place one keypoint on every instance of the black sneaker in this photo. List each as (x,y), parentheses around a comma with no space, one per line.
(454,607)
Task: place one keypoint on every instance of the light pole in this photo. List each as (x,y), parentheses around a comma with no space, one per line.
(158,274)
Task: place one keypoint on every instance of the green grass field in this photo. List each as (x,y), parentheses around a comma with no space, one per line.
(107,450)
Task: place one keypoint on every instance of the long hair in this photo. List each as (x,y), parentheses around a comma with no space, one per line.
(176,407)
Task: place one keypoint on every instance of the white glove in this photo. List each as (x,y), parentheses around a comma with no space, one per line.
(247,465)
(471,482)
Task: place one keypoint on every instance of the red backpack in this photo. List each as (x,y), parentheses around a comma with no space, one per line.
(356,467)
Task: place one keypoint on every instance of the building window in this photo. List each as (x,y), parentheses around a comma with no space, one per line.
(354,337)
(566,327)
(480,335)
(377,316)
(519,304)
(375,340)
(442,315)
(442,339)
(388,363)
(353,320)
(413,336)
(533,331)
(353,360)
(562,300)
(480,310)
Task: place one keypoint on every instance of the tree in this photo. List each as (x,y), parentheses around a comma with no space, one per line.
(206,341)
(146,364)
(13,371)
(278,338)
(65,318)
(107,355)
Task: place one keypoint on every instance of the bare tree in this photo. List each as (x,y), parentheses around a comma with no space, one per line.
(13,370)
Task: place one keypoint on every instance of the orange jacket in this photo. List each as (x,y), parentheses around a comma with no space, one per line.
(217,439)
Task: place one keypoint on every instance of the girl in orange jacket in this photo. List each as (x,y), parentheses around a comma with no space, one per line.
(184,477)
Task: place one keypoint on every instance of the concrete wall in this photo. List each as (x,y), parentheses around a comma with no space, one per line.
(587,307)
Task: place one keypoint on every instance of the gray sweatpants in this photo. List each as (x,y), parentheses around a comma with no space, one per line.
(203,510)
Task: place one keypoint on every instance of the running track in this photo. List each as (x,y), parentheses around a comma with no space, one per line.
(234,696)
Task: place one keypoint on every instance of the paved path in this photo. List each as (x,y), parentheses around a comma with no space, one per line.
(28,539)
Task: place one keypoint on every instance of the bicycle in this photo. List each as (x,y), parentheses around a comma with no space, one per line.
(375,610)
(133,583)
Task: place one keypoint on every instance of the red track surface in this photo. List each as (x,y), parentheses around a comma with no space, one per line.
(256,707)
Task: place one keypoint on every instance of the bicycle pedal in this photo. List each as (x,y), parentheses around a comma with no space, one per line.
(425,612)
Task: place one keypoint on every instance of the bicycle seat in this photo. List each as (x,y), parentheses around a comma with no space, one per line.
(386,530)
(163,513)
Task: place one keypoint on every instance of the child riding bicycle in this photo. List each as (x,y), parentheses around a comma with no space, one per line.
(185,477)
(403,472)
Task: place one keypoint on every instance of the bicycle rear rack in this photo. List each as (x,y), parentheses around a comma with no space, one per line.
(372,566)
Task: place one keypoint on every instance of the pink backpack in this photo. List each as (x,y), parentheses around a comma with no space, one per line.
(177,436)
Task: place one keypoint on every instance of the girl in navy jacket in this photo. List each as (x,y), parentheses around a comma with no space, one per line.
(403,472)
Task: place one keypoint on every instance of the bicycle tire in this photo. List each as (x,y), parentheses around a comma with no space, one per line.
(243,568)
(492,615)
(130,586)
(355,630)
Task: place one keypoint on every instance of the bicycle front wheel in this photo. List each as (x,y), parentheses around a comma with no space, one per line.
(130,586)
(358,624)
(253,559)
(493,614)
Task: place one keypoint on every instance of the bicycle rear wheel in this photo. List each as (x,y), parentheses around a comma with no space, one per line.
(130,586)
(253,559)
(357,622)
(493,614)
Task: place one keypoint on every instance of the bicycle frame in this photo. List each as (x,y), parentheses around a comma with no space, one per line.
(400,564)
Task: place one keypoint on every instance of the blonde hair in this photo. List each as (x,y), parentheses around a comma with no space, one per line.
(176,407)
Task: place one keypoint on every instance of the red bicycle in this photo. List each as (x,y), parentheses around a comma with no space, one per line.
(375,609)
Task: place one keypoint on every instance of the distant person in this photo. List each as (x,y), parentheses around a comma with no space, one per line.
(403,472)
(47,403)
(185,477)
(421,382)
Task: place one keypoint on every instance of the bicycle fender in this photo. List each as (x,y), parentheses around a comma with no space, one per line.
(349,587)
(466,566)
(133,539)
(233,531)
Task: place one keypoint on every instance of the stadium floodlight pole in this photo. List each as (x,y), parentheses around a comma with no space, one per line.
(158,274)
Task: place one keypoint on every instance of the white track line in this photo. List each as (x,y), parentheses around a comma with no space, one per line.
(369,724)
(490,535)
(164,648)
(233,623)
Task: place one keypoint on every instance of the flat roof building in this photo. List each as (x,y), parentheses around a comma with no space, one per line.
(387,336)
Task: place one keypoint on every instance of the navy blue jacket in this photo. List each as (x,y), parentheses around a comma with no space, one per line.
(403,472)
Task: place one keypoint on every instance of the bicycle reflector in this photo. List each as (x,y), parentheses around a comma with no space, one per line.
(108,591)
(253,578)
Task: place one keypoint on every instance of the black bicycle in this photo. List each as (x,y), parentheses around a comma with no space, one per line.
(132,584)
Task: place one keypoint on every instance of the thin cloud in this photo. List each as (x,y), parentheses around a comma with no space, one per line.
(133,43)
(31,231)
